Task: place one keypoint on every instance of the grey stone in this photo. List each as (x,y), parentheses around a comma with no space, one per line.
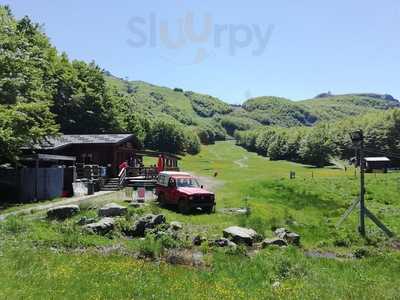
(146,222)
(293,238)
(198,240)
(184,257)
(176,225)
(101,227)
(85,220)
(288,236)
(240,235)
(281,232)
(112,210)
(62,212)
(223,242)
(276,241)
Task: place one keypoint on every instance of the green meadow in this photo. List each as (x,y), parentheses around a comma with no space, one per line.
(40,259)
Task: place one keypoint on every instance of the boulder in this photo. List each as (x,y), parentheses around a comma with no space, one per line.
(176,225)
(101,227)
(293,238)
(146,222)
(85,220)
(288,236)
(240,235)
(184,257)
(112,210)
(198,240)
(62,212)
(276,241)
(223,242)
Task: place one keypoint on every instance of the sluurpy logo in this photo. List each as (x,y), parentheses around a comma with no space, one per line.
(151,31)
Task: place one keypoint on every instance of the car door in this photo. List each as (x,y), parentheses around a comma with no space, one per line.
(171,191)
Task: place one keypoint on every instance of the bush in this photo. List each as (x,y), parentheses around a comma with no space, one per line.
(150,247)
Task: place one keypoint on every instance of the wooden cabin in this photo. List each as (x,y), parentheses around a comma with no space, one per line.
(108,150)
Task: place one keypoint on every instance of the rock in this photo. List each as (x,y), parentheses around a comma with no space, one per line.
(176,225)
(184,257)
(85,220)
(157,220)
(198,240)
(281,232)
(240,234)
(112,210)
(293,238)
(288,236)
(146,222)
(101,227)
(62,212)
(276,241)
(224,242)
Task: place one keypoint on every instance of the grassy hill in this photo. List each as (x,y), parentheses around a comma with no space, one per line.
(341,106)
(187,107)
(286,113)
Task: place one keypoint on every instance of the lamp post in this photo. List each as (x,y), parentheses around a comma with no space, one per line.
(357,137)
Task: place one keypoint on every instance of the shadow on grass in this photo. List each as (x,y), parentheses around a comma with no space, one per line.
(292,197)
(192,212)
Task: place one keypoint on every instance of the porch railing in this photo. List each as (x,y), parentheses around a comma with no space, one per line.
(122,177)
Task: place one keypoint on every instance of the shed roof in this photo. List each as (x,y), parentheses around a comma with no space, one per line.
(377,159)
(69,139)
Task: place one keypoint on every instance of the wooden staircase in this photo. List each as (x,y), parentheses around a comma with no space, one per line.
(111,184)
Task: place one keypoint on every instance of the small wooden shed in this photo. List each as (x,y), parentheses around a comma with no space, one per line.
(376,164)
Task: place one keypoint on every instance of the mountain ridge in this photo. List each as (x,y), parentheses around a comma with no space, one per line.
(198,109)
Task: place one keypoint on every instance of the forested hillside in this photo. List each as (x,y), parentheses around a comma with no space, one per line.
(319,144)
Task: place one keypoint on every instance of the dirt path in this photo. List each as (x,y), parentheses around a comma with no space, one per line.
(99,196)
(242,162)
(210,183)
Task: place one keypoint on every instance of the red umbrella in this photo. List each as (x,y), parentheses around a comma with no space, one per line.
(160,164)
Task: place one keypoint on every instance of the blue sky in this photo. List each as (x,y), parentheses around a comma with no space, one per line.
(310,46)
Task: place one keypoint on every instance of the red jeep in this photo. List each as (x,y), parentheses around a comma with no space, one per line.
(183,189)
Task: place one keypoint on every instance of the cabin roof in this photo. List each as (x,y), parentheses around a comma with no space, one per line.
(53,143)
(377,159)
(47,157)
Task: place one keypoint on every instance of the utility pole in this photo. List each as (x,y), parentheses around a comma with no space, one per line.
(357,137)
(362,185)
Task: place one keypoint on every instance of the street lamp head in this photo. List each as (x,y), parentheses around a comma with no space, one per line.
(357,136)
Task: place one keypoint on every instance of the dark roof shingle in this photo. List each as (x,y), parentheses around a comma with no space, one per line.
(69,139)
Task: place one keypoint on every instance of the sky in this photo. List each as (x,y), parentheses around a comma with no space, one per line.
(232,50)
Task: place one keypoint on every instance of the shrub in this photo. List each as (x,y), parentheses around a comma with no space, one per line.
(150,247)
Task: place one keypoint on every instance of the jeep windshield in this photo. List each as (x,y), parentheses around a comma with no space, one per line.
(187,182)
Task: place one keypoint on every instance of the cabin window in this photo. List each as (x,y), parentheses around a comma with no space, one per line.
(87,158)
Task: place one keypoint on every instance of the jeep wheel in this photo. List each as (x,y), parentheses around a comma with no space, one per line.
(209,209)
(161,200)
(183,207)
